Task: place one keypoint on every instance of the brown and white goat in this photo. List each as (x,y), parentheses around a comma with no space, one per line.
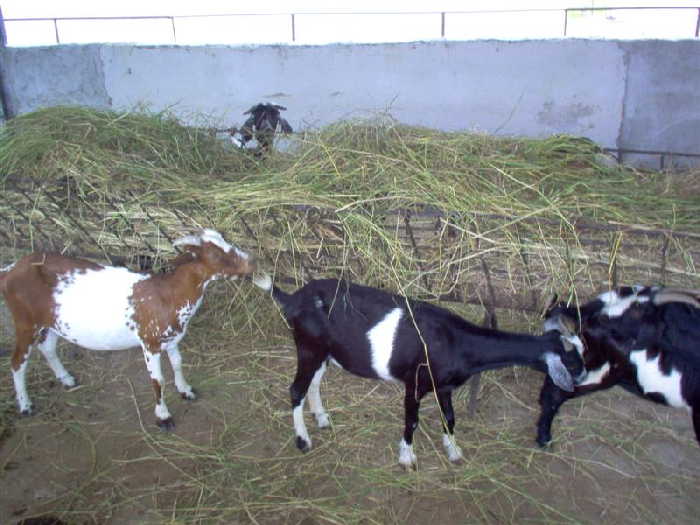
(112,308)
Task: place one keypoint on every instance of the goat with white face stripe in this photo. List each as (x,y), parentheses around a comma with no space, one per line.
(378,335)
(645,339)
(111,308)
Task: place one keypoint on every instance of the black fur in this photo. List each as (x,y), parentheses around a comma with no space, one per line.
(331,319)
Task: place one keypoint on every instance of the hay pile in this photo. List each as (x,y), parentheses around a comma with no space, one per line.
(427,213)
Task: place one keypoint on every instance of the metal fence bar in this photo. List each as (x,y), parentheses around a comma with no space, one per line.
(443,16)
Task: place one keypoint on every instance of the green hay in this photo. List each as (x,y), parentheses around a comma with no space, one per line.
(331,207)
(339,203)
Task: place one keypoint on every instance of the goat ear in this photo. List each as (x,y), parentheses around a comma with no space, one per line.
(558,372)
(286,128)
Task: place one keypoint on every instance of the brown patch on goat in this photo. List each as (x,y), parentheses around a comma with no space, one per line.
(157,389)
(35,278)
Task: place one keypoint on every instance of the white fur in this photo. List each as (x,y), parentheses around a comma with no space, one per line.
(93,308)
(180,383)
(48,350)
(406,456)
(615,305)
(263,281)
(217,239)
(19,379)
(652,379)
(299,425)
(314,395)
(595,377)
(454,453)
(381,342)
(156,373)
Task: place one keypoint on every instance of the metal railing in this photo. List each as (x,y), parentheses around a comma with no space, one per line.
(444,18)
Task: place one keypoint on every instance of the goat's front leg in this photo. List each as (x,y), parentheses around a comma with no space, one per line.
(454,453)
(551,399)
(163,418)
(181,384)
(314,394)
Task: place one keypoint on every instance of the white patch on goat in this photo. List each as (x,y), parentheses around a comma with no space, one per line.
(48,350)
(217,239)
(156,373)
(595,377)
(93,308)
(406,456)
(576,341)
(314,395)
(299,425)
(381,342)
(653,380)
(615,305)
(180,382)
(454,453)
(19,379)
(263,281)
(552,324)
(7,268)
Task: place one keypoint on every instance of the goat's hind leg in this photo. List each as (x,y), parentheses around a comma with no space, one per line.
(307,368)
(19,363)
(47,346)
(407,457)
(454,453)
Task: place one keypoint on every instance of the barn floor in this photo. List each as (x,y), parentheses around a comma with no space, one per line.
(94,455)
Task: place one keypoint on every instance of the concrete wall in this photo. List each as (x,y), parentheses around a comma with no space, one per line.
(636,94)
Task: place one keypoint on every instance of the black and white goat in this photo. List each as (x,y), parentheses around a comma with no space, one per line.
(644,339)
(374,334)
(263,123)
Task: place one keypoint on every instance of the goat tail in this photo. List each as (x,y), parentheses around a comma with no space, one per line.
(264,281)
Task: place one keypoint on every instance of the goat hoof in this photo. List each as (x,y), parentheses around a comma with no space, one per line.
(544,443)
(410,467)
(302,444)
(166,424)
(323,421)
(68,382)
(189,396)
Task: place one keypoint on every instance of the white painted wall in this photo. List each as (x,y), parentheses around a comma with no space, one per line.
(638,95)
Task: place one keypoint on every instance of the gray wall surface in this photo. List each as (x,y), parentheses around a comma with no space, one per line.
(622,94)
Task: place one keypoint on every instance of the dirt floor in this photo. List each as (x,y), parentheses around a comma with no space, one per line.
(92,454)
